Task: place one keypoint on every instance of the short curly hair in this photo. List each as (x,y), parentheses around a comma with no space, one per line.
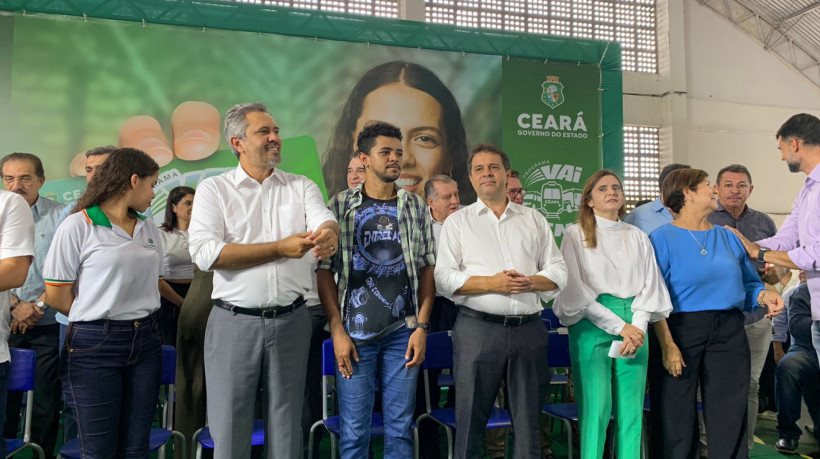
(367,138)
(676,182)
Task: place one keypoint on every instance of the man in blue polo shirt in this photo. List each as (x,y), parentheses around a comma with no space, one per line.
(653,214)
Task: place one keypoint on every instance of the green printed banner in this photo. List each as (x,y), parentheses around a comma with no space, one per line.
(552,132)
(70,84)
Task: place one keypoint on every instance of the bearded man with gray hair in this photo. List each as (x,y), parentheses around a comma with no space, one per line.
(253,227)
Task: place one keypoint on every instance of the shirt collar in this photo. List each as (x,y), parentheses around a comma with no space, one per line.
(511,207)
(606,224)
(96,216)
(358,193)
(720,208)
(37,208)
(432,219)
(240,176)
(815,174)
(657,206)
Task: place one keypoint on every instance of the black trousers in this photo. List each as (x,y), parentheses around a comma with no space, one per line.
(168,314)
(483,354)
(715,351)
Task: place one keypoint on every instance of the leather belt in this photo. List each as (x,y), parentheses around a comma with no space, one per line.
(507,321)
(271,312)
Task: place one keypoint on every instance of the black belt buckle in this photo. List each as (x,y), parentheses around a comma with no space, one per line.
(514,321)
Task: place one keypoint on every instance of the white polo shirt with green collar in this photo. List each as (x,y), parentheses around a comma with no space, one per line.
(114,275)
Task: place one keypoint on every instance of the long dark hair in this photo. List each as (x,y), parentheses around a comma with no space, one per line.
(586,216)
(113,178)
(341,145)
(174,197)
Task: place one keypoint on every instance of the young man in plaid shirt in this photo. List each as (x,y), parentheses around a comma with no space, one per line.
(385,264)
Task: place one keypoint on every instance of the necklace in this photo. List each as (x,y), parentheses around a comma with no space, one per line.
(702,248)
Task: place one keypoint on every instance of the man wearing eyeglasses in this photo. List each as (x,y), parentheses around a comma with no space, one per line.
(734,186)
(33,324)
(515,191)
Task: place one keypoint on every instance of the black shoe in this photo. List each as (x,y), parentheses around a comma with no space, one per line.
(786,446)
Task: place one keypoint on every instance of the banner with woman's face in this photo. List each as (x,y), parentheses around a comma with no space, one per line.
(74,85)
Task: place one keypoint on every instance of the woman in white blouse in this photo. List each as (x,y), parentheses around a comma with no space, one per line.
(179,269)
(614,291)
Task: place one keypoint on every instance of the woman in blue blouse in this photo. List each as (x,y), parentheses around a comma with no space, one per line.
(711,282)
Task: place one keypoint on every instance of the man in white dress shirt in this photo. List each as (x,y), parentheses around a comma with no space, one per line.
(501,259)
(33,323)
(441,194)
(252,226)
(16,255)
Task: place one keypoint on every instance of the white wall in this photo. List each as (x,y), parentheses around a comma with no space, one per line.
(722,101)
(718,98)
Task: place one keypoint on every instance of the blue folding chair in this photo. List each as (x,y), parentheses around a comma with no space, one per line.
(159,437)
(439,356)
(558,357)
(203,438)
(550,319)
(21,379)
(332,422)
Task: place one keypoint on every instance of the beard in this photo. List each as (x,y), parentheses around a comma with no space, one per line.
(793,167)
(387,177)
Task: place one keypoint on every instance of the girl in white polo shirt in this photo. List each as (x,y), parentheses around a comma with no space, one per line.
(102,272)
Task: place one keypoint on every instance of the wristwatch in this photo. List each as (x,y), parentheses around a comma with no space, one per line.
(424,326)
(42,305)
(761,253)
(14,306)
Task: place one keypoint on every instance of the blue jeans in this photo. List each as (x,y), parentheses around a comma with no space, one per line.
(815,337)
(795,377)
(110,372)
(69,424)
(383,358)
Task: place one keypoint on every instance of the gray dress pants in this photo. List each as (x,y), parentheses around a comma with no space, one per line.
(242,352)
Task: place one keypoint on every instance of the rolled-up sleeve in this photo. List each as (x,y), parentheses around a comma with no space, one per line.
(17,238)
(806,257)
(551,263)
(448,273)
(427,249)
(316,212)
(206,233)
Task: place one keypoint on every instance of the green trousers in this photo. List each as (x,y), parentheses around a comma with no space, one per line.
(605,386)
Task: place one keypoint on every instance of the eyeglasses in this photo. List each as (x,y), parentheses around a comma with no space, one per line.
(23,179)
(740,186)
(515,191)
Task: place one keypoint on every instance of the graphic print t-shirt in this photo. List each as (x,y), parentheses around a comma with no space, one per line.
(378,296)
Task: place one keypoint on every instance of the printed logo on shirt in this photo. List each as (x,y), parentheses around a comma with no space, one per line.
(378,250)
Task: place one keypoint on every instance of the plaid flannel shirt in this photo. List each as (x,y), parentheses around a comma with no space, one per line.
(415,230)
